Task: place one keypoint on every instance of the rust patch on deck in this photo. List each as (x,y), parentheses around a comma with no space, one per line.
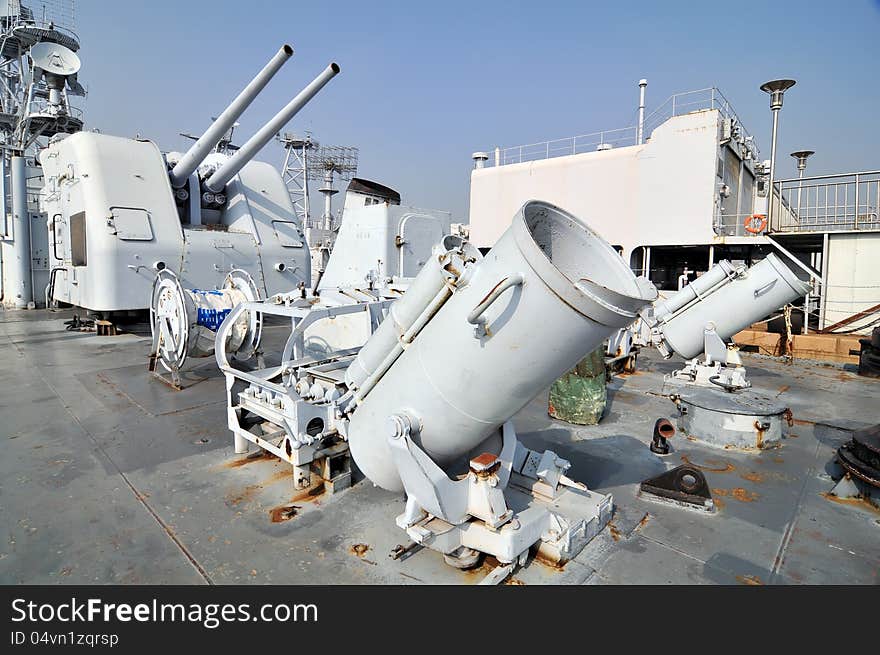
(262,456)
(713,465)
(283,513)
(625,374)
(290,509)
(359,549)
(614,531)
(236,498)
(743,495)
(312,492)
(749,580)
(245,495)
(752,476)
(552,565)
(859,503)
(738,493)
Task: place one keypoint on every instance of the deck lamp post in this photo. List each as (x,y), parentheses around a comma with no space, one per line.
(801,156)
(776,89)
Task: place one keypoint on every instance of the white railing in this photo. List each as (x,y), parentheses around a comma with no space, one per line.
(687,102)
(573,145)
(675,105)
(823,203)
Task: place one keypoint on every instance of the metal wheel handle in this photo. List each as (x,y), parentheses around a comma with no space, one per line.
(476,316)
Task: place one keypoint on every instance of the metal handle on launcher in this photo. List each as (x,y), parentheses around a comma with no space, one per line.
(476,316)
(762,290)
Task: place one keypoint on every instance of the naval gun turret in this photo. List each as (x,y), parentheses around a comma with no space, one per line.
(119,211)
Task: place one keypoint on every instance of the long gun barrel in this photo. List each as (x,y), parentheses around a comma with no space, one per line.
(246,152)
(199,150)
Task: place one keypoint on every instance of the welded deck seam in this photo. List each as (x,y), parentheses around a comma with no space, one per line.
(789,528)
(672,548)
(134,402)
(137,494)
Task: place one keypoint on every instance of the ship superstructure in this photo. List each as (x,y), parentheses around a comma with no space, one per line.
(687,187)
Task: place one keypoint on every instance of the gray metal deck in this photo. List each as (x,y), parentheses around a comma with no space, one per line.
(108,476)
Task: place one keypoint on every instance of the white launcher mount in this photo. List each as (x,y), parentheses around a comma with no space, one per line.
(425,404)
(696,321)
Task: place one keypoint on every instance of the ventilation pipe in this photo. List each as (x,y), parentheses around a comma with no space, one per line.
(643,83)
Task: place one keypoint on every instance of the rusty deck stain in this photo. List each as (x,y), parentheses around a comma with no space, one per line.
(359,549)
(713,465)
(246,494)
(743,495)
(260,456)
(290,509)
(283,513)
(749,580)
(737,493)
(614,531)
(859,503)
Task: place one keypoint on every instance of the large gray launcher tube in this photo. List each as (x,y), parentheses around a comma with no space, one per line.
(696,289)
(253,145)
(760,291)
(200,149)
(549,292)
(436,276)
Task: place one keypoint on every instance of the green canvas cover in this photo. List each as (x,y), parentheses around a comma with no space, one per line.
(579,396)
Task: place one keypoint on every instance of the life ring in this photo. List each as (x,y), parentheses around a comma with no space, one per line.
(749,223)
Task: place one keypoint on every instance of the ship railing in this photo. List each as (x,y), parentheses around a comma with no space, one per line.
(41,105)
(573,145)
(58,15)
(827,203)
(688,102)
(676,105)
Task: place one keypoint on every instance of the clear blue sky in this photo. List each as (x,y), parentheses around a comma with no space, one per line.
(425,84)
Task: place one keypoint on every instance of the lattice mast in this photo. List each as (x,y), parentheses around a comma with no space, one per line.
(330,162)
(38,75)
(38,72)
(295,172)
